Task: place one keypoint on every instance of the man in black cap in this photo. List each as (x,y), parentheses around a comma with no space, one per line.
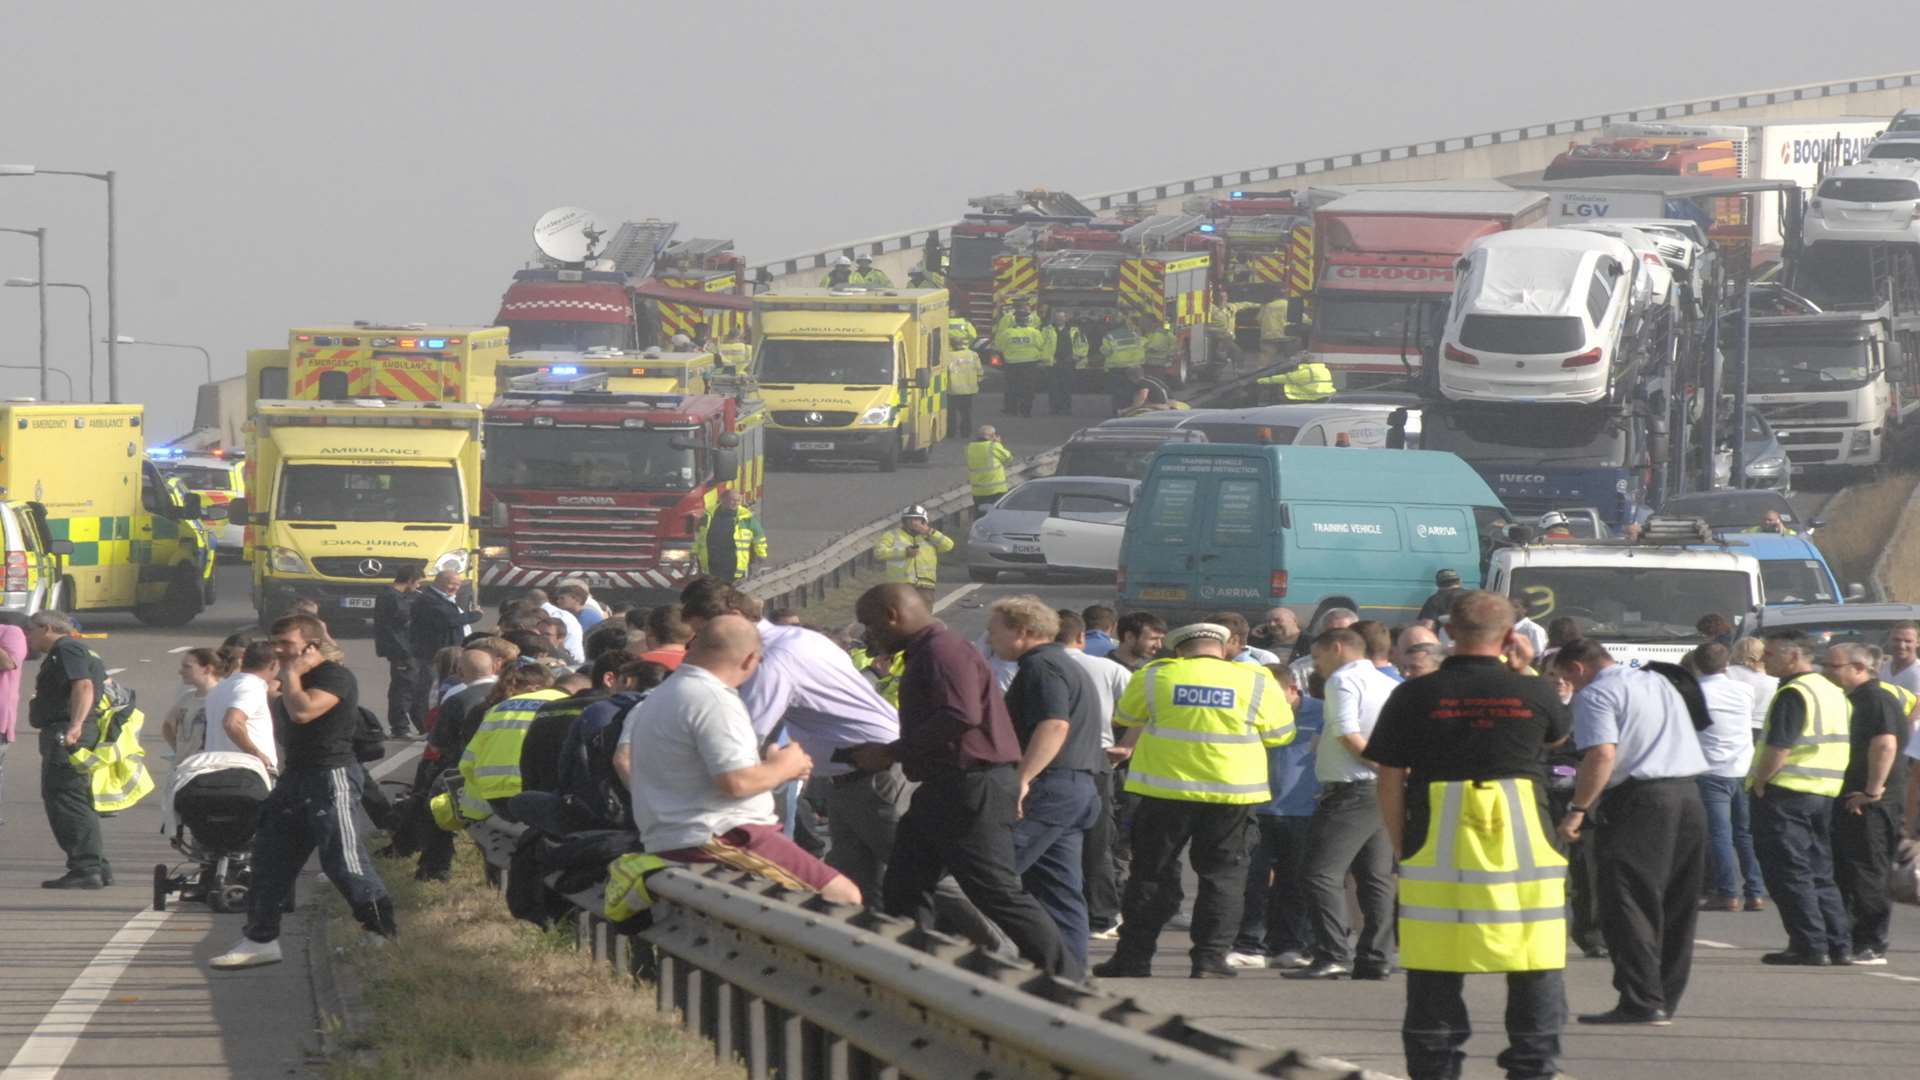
(1437,605)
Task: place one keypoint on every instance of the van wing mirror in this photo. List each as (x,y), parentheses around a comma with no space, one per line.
(726,465)
(498,515)
(60,547)
(237,511)
(1856,591)
(1286,516)
(190,507)
(923,379)
(213,512)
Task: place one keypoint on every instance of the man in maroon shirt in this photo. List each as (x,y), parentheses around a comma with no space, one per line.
(958,742)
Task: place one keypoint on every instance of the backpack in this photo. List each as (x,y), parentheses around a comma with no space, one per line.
(1689,689)
(369,739)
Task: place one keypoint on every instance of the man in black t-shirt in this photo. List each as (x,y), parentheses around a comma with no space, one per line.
(1473,720)
(1867,819)
(1056,716)
(63,709)
(1446,589)
(312,805)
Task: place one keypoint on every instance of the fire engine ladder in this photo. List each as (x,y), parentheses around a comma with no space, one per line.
(698,253)
(637,244)
(1158,232)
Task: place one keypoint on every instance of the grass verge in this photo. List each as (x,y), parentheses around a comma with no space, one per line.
(1865,519)
(470,993)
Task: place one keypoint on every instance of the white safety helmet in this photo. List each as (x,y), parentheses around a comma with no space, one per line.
(914,511)
(842,260)
(682,342)
(1552,519)
(865,257)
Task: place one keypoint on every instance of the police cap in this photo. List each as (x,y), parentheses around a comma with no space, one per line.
(1192,631)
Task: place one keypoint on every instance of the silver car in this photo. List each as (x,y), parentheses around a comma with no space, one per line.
(1086,509)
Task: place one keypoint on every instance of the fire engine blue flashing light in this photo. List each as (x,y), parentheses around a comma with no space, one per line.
(1206,228)
(563,370)
(434,343)
(163,451)
(1238,195)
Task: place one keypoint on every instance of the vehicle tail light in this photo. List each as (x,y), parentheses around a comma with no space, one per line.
(1459,357)
(1813,207)
(1277,584)
(1120,580)
(1585,359)
(16,571)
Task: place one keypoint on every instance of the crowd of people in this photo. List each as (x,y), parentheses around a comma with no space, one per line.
(1494,789)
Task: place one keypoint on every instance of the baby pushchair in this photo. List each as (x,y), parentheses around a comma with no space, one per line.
(213,802)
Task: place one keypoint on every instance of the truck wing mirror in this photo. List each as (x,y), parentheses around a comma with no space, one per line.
(1856,591)
(726,465)
(60,547)
(214,512)
(237,511)
(498,515)
(727,441)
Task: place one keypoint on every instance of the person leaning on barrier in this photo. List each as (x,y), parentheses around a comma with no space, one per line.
(1472,734)
(1196,727)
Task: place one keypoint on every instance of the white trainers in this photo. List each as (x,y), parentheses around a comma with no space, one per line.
(248,953)
(1246,960)
(1111,933)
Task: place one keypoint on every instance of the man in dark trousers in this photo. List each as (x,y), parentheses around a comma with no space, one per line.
(435,621)
(1639,747)
(390,643)
(1867,819)
(71,680)
(957,741)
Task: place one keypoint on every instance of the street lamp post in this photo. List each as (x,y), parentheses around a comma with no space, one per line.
(40,248)
(92,366)
(113,294)
(125,340)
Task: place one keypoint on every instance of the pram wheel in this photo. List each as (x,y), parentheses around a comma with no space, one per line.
(233,897)
(161,886)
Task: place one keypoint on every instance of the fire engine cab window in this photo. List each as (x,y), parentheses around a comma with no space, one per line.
(1359,321)
(791,360)
(588,459)
(560,335)
(370,493)
(1522,335)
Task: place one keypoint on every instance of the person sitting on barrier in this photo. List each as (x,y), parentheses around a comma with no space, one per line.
(702,789)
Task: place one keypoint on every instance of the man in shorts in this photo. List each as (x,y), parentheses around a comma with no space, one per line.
(702,788)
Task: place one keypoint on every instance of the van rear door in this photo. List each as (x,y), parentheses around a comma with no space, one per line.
(1163,535)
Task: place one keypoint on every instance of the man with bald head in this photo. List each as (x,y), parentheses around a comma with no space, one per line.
(1409,638)
(701,788)
(957,740)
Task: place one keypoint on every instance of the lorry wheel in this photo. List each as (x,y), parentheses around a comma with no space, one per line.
(890,458)
(180,604)
(1178,376)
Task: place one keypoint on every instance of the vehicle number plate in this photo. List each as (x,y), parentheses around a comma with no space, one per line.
(1026,549)
(357,602)
(1163,594)
(813,446)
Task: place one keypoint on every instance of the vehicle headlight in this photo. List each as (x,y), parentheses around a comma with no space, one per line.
(879,414)
(676,555)
(1766,466)
(455,560)
(1861,442)
(289,561)
(494,551)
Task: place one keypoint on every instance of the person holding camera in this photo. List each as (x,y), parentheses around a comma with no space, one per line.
(912,551)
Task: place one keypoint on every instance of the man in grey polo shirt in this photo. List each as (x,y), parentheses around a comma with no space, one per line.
(1347,833)
(1639,745)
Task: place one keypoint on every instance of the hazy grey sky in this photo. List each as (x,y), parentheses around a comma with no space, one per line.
(285,164)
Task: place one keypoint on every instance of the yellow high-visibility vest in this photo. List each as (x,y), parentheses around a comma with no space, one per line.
(963,371)
(116,771)
(626,892)
(1207,723)
(1123,348)
(491,764)
(1307,381)
(1019,344)
(1817,761)
(1486,891)
(923,566)
(987,467)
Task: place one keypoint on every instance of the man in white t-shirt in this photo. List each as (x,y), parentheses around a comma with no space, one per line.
(238,720)
(573,639)
(701,790)
(1733,870)
(1902,667)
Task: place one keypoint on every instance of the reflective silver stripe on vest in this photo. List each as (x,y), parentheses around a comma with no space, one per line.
(1253,701)
(1198,787)
(511,722)
(1458,915)
(1444,869)
(495,770)
(1803,770)
(1183,735)
(1153,710)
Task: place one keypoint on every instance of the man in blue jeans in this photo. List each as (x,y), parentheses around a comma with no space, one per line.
(1056,716)
(1276,926)
(1733,871)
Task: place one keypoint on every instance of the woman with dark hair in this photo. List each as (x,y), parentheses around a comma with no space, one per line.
(185,727)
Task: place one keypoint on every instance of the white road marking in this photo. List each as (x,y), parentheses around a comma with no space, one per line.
(1875,974)
(53,1039)
(115,670)
(178,651)
(946,601)
(387,767)
(1713,944)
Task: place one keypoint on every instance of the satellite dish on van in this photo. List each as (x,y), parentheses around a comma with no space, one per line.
(567,234)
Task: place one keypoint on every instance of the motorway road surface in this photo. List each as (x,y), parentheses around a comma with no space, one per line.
(1741,1020)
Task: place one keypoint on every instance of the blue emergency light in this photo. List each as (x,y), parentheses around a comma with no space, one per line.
(1206,228)
(1238,195)
(163,451)
(434,343)
(566,370)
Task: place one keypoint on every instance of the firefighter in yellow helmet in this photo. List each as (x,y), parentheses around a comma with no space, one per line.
(841,273)
(1196,731)
(866,276)
(1482,887)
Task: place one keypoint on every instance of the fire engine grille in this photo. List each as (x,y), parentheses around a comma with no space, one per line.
(586,537)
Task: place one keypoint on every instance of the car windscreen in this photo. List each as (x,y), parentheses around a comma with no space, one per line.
(1129,462)
(1869,189)
(794,360)
(1622,602)
(588,459)
(1030,497)
(1730,510)
(1523,335)
(370,493)
(202,477)
(1894,151)
(1796,581)
(1536,435)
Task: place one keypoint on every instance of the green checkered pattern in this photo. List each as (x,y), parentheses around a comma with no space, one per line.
(97,541)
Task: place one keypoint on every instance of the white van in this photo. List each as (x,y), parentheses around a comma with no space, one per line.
(1538,315)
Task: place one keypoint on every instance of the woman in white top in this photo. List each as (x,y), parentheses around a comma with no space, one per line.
(238,720)
(1746,669)
(185,727)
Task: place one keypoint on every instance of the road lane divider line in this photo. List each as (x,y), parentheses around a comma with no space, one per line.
(1713,944)
(58,1032)
(115,670)
(179,650)
(387,767)
(1891,975)
(948,600)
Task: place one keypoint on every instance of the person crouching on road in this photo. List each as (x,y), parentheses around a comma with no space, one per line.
(312,805)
